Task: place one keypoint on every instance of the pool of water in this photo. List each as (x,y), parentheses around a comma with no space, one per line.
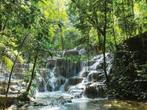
(85,103)
(97,105)
(52,103)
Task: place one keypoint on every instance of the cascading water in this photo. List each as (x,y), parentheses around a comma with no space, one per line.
(66,82)
(74,78)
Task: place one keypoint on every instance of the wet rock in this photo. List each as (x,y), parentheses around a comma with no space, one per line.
(60,62)
(95,76)
(14,88)
(84,74)
(51,63)
(72,81)
(95,90)
(38,104)
(91,92)
(70,52)
(76,91)
(63,100)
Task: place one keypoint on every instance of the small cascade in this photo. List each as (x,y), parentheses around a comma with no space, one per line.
(53,79)
(78,79)
(92,73)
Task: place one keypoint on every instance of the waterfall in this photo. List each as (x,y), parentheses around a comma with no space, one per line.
(76,78)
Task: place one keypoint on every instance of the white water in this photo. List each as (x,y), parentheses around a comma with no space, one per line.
(75,93)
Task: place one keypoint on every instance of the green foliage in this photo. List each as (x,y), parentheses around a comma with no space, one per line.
(8,62)
(124,19)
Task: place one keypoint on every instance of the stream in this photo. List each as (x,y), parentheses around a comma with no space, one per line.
(84,103)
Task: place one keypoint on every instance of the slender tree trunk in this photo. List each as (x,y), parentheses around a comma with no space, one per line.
(33,72)
(88,51)
(61,35)
(104,43)
(62,40)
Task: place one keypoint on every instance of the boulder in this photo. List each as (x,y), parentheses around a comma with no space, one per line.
(95,90)
(91,92)
(95,76)
(72,81)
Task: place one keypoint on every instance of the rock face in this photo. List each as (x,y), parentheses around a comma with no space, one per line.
(129,79)
(136,43)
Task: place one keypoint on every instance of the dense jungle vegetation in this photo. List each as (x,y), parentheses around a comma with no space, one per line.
(31,31)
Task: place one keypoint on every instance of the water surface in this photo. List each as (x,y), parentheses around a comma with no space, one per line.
(85,103)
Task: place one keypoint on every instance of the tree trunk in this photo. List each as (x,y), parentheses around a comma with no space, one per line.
(33,72)
(104,43)
(61,35)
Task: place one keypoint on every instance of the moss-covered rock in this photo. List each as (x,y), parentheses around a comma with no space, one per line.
(128,79)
